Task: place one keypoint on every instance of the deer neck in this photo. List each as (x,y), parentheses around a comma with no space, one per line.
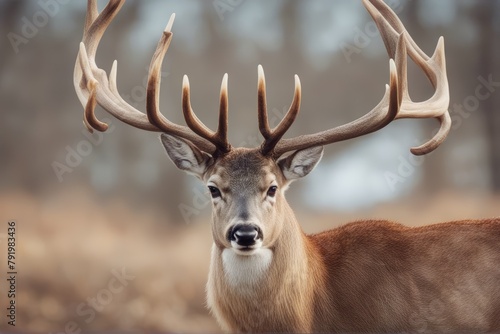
(285,262)
(279,275)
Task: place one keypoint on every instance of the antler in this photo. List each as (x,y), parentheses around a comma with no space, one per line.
(93,87)
(395,104)
(218,138)
(272,137)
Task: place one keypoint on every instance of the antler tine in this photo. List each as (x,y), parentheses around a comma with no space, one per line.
(396,102)
(90,120)
(223,114)
(154,115)
(92,14)
(93,86)
(93,33)
(264,128)
(272,137)
(218,138)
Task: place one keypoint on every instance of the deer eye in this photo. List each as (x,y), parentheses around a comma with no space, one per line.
(214,191)
(271,192)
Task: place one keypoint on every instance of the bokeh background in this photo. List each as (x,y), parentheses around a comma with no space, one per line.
(89,207)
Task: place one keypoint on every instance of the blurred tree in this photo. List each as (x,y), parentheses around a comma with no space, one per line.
(485,15)
(9,13)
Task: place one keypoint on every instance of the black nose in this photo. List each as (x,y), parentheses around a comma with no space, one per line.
(244,235)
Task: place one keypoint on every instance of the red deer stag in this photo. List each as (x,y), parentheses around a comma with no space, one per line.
(266,274)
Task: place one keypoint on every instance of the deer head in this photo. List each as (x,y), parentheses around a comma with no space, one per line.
(248,185)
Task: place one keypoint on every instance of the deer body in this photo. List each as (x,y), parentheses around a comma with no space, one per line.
(427,286)
(266,275)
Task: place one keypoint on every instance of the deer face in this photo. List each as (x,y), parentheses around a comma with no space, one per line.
(247,190)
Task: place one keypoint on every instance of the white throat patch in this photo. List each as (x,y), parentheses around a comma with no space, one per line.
(243,272)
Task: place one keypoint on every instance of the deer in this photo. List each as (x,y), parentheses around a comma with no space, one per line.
(266,274)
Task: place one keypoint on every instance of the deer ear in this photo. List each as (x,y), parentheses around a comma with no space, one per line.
(185,155)
(300,163)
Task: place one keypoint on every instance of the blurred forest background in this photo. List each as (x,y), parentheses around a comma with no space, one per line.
(88,207)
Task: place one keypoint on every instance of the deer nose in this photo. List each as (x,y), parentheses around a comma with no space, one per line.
(245,235)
